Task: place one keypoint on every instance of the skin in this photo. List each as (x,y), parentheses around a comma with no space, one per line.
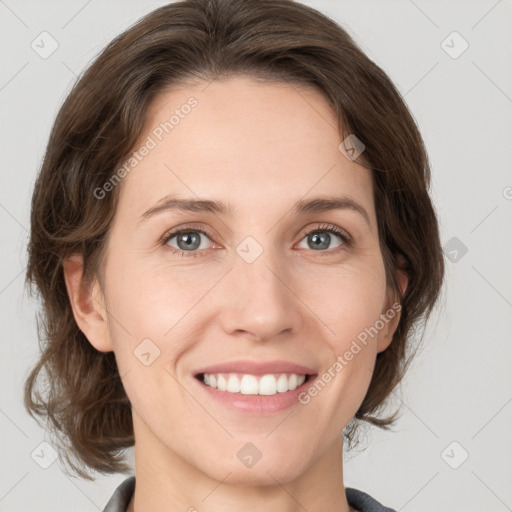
(261,148)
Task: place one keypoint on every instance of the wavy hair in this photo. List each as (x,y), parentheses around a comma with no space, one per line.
(77,389)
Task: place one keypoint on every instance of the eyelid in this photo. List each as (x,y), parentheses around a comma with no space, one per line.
(187,227)
(346,238)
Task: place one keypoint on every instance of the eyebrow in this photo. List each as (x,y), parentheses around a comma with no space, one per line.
(301,207)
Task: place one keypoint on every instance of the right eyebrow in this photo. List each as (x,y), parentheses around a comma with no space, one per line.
(172,202)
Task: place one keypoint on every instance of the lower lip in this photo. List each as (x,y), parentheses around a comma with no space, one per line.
(257,404)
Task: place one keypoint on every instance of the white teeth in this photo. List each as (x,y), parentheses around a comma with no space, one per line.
(222,385)
(282,383)
(248,385)
(233,384)
(269,384)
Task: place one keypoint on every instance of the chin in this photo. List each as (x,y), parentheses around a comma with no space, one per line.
(253,477)
(263,472)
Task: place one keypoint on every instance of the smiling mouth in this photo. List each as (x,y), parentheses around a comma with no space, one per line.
(247,384)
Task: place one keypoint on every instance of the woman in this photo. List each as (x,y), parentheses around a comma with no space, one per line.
(233,241)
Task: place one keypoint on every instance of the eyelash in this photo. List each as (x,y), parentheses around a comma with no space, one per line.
(329,228)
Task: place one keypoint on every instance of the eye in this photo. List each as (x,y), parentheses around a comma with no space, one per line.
(320,238)
(188,241)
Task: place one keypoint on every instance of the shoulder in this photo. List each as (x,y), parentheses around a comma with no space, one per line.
(363,502)
(122,495)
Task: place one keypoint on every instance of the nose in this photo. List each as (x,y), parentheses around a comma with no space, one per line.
(258,299)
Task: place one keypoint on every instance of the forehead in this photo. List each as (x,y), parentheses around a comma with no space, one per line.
(243,141)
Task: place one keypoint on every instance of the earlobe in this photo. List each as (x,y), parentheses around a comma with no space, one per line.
(403,278)
(87,303)
(391,317)
(393,311)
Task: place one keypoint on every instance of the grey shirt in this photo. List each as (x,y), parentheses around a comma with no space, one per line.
(358,500)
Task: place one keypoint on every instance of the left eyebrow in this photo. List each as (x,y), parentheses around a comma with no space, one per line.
(325,204)
(301,207)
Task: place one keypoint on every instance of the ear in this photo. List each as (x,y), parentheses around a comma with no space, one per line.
(392,311)
(88,304)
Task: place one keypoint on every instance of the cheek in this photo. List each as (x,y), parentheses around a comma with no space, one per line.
(353,299)
(347,299)
(155,310)
(149,299)
(163,300)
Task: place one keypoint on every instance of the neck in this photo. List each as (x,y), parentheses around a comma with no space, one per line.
(165,481)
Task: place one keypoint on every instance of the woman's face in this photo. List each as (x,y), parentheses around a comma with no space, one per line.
(245,285)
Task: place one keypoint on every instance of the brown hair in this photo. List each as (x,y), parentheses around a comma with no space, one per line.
(101,120)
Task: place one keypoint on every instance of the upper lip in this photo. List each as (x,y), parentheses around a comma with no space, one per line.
(257,368)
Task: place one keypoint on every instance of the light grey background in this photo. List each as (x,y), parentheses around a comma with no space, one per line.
(460,387)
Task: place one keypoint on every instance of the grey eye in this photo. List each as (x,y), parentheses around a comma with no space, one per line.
(187,240)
